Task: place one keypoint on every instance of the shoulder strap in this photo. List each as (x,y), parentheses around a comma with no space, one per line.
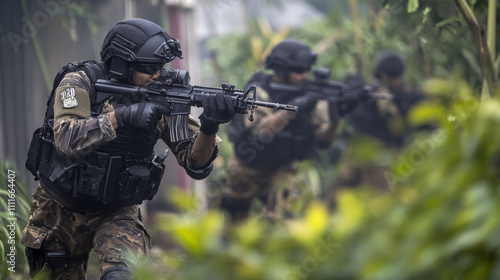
(94,71)
(258,79)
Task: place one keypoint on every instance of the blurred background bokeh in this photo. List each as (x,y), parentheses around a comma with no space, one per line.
(438,221)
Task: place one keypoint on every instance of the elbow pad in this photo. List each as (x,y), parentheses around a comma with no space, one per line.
(199,174)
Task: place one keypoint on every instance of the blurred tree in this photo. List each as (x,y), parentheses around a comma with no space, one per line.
(475,14)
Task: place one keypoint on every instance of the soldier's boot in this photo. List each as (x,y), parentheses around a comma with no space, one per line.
(117,273)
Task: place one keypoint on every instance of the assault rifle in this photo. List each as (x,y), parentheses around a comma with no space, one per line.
(324,89)
(172,90)
(347,96)
(336,91)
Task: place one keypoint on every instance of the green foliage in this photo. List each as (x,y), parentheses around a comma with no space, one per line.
(432,38)
(236,57)
(439,222)
(14,209)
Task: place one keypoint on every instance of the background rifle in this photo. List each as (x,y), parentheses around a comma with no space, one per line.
(336,91)
(172,90)
(324,89)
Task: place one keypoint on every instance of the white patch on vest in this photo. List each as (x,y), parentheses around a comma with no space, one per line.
(68,98)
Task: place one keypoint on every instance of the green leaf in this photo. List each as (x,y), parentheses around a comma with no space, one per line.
(426,113)
(446,21)
(412,6)
(439,87)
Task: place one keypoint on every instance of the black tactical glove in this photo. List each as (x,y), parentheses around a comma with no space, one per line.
(334,112)
(348,104)
(217,109)
(143,115)
(354,94)
(305,103)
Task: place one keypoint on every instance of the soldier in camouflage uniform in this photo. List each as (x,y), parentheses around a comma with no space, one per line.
(381,121)
(268,150)
(70,215)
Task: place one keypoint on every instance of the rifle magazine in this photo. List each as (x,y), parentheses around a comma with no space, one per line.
(179,128)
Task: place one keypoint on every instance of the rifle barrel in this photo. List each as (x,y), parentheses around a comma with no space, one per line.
(279,106)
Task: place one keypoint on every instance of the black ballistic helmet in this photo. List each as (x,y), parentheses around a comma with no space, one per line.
(290,55)
(137,40)
(390,64)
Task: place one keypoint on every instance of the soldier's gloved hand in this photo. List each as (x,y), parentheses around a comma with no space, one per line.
(354,94)
(143,115)
(348,104)
(217,109)
(334,111)
(305,103)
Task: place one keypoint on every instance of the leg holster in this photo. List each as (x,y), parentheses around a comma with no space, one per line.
(38,258)
(61,259)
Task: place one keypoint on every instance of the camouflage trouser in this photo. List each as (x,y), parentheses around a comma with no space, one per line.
(277,187)
(352,174)
(113,235)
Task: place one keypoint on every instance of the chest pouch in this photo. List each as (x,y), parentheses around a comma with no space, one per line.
(140,181)
(109,180)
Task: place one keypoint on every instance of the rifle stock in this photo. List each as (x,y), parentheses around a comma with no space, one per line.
(172,90)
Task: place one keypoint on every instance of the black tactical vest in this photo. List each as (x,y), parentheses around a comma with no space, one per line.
(125,171)
(295,142)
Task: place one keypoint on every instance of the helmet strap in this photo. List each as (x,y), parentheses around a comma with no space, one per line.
(283,74)
(130,74)
(119,69)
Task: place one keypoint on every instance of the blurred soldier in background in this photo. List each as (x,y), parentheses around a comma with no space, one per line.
(268,150)
(96,159)
(383,121)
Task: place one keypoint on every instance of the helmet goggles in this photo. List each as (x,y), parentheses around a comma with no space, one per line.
(148,68)
(299,70)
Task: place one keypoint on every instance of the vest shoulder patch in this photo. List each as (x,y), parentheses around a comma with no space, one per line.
(68,98)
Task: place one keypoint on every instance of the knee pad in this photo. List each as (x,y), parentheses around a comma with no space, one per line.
(117,273)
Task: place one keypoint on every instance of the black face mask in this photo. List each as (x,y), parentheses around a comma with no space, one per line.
(148,68)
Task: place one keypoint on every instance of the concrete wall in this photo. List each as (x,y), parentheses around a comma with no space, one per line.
(23,85)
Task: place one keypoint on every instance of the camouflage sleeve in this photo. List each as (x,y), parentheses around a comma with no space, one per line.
(76,133)
(182,149)
(324,130)
(320,116)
